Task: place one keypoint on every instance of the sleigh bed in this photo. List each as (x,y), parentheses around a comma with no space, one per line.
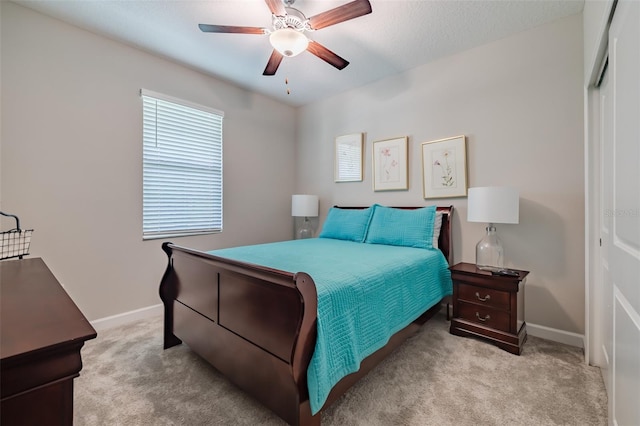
(267,327)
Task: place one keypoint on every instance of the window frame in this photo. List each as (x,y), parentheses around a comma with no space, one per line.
(214,164)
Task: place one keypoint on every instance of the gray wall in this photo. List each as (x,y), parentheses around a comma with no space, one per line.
(519,101)
(71,162)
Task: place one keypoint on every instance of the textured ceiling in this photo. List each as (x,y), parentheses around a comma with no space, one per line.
(398,35)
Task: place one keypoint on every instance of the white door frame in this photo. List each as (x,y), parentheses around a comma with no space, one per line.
(592,183)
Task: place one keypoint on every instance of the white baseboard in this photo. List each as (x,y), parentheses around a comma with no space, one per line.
(148,312)
(127,317)
(555,335)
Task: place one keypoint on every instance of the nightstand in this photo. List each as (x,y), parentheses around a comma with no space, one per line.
(490,307)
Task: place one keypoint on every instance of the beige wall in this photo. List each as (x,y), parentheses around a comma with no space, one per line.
(71,155)
(519,101)
(72,158)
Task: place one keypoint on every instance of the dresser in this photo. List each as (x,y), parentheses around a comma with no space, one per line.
(490,307)
(41,334)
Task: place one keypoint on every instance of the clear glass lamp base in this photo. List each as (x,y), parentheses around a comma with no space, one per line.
(305,230)
(489,251)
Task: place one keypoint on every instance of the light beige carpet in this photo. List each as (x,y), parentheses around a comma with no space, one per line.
(435,378)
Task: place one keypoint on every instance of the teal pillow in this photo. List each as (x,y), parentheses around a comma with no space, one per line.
(401,227)
(346,224)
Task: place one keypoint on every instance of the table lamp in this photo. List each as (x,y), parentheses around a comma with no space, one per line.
(492,204)
(304,206)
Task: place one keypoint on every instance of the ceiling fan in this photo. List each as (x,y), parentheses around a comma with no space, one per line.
(289,25)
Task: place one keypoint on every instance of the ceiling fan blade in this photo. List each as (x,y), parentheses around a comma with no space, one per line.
(231,29)
(326,55)
(340,14)
(273,64)
(276,7)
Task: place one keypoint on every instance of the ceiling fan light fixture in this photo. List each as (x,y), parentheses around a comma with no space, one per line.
(289,42)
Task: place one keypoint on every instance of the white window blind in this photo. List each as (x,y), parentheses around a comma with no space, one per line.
(182,167)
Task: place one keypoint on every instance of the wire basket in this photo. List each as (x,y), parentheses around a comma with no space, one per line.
(15,242)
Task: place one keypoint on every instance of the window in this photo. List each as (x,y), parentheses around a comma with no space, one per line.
(182,167)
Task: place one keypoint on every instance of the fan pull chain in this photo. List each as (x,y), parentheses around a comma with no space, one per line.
(286,82)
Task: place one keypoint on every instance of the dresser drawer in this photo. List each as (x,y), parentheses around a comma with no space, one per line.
(484,296)
(489,317)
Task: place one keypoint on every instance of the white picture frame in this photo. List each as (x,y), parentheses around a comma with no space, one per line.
(390,164)
(444,168)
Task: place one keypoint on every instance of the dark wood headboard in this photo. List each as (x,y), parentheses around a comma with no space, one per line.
(445,241)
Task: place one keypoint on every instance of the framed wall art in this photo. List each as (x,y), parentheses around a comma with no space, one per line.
(444,168)
(348,158)
(390,171)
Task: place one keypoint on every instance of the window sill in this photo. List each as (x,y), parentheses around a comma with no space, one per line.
(180,234)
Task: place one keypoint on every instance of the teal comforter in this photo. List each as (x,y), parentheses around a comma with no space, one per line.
(366,293)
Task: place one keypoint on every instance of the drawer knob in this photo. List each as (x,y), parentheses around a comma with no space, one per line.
(487,297)
(488,317)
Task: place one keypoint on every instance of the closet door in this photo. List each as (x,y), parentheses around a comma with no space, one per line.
(624,244)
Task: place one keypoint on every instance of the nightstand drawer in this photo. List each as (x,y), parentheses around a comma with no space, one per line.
(486,316)
(484,296)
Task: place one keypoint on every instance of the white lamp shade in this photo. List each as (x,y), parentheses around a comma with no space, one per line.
(493,204)
(304,205)
(288,41)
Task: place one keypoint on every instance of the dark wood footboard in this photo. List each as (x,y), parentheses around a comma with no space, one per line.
(257,325)
(254,324)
